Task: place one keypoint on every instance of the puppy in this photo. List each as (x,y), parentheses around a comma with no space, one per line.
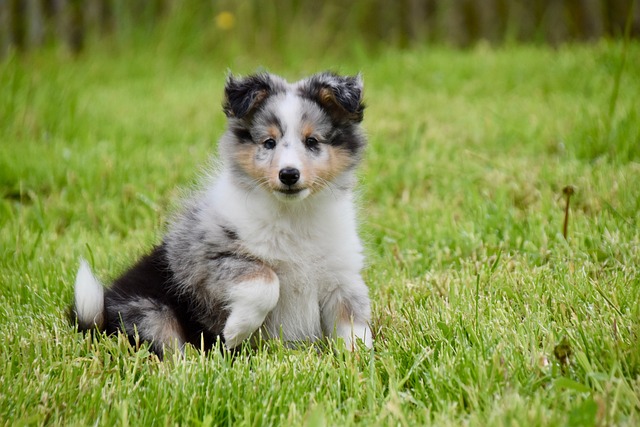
(269,247)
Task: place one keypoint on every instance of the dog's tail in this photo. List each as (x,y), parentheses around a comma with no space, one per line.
(88,307)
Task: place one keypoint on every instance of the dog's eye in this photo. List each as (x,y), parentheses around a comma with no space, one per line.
(270,144)
(311,143)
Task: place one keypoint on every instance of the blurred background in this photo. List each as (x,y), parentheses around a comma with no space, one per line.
(226,26)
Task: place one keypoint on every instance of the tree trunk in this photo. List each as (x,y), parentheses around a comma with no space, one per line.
(35,27)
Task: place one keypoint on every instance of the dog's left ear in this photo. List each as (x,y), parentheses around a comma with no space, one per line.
(242,96)
(340,96)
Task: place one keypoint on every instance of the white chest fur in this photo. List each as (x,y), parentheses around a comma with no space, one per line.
(312,246)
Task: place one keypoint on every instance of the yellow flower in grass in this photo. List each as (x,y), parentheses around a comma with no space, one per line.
(225,20)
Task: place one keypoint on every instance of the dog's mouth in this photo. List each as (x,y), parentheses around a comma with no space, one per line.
(288,193)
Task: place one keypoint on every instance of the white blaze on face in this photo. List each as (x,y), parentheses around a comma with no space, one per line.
(290,150)
(290,155)
(289,111)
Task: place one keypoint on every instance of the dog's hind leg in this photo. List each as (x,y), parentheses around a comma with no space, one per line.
(154,322)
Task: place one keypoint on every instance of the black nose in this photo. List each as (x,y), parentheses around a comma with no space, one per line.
(289,176)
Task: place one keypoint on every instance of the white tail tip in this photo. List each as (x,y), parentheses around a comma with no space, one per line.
(89,298)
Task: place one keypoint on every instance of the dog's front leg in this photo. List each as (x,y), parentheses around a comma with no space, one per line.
(250,297)
(346,313)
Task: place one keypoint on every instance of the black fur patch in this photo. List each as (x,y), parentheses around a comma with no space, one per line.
(151,278)
(347,137)
(242,134)
(244,95)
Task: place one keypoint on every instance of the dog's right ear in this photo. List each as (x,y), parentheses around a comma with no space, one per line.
(244,95)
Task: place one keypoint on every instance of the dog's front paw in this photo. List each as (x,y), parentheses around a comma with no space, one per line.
(250,302)
(239,329)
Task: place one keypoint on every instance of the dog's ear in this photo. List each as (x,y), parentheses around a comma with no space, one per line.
(243,95)
(340,96)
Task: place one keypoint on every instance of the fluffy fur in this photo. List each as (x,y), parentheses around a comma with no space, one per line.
(270,245)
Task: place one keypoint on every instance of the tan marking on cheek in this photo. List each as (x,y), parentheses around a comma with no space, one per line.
(245,158)
(337,162)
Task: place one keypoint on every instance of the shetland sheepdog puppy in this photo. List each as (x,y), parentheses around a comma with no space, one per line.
(269,247)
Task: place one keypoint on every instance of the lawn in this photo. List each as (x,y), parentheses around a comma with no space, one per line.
(485,313)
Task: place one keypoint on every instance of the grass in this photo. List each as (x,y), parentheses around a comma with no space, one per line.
(484,313)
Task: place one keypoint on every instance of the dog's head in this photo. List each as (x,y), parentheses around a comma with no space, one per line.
(293,140)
